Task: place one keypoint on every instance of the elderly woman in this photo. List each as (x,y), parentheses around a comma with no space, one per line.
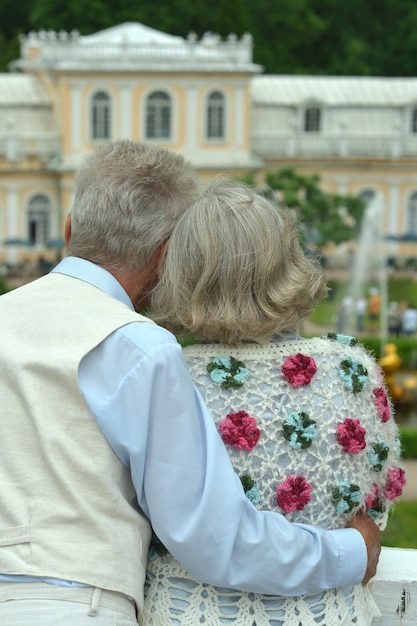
(307,422)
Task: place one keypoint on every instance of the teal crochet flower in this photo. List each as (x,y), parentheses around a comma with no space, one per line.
(377,512)
(353,374)
(378,455)
(346,340)
(346,496)
(228,372)
(251,488)
(299,430)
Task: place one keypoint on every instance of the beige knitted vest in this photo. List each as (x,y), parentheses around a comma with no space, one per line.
(68,508)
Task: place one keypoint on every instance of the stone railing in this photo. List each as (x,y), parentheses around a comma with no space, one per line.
(15,147)
(51,49)
(334,145)
(395,587)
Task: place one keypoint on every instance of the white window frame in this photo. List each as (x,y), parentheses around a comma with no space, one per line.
(215,120)
(158,115)
(101,116)
(313,119)
(39,219)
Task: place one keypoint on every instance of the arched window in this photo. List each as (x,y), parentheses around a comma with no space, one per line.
(414,120)
(412,214)
(39,213)
(215,120)
(101,116)
(367,195)
(158,115)
(312,119)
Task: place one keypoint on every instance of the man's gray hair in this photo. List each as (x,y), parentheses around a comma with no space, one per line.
(128,196)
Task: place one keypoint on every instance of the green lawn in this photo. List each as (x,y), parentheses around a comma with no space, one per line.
(401,529)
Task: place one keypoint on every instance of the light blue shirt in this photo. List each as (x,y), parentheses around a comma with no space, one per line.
(139,390)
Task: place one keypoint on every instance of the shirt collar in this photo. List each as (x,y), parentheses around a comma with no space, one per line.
(95,275)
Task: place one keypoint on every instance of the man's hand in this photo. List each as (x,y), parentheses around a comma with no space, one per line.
(372,537)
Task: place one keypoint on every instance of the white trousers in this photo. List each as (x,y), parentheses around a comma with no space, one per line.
(42,604)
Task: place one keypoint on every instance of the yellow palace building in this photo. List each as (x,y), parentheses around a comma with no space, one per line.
(67,93)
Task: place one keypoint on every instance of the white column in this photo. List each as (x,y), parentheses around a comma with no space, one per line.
(76,119)
(393,206)
(393,225)
(126,112)
(239,121)
(12,213)
(12,222)
(192,129)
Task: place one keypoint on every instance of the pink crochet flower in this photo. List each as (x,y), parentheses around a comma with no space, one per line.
(381,403)
(372,499)
(351,436)
(293,494)
(299,369)
(395,483)
(240,430)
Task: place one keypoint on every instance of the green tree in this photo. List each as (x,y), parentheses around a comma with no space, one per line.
(284,34)
(14,20)
(71,15)
(323,216)
(177,18)
(372,38)
(233,17)
(14,17)
(9,50)
(357,38)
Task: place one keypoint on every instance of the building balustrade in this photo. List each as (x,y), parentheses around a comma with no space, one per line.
(17,147)
(363,145)
(45,145)
(50,48)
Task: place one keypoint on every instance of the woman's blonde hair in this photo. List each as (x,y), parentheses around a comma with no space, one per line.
(235,270)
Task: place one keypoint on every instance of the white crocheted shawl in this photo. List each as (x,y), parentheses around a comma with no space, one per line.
(309,429)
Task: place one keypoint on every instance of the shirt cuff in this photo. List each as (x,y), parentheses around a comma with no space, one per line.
(353,556)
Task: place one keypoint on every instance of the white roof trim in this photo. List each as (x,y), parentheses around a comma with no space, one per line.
(282,90)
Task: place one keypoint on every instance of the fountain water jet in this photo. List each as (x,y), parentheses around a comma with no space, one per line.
(370,263)
(370,266)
